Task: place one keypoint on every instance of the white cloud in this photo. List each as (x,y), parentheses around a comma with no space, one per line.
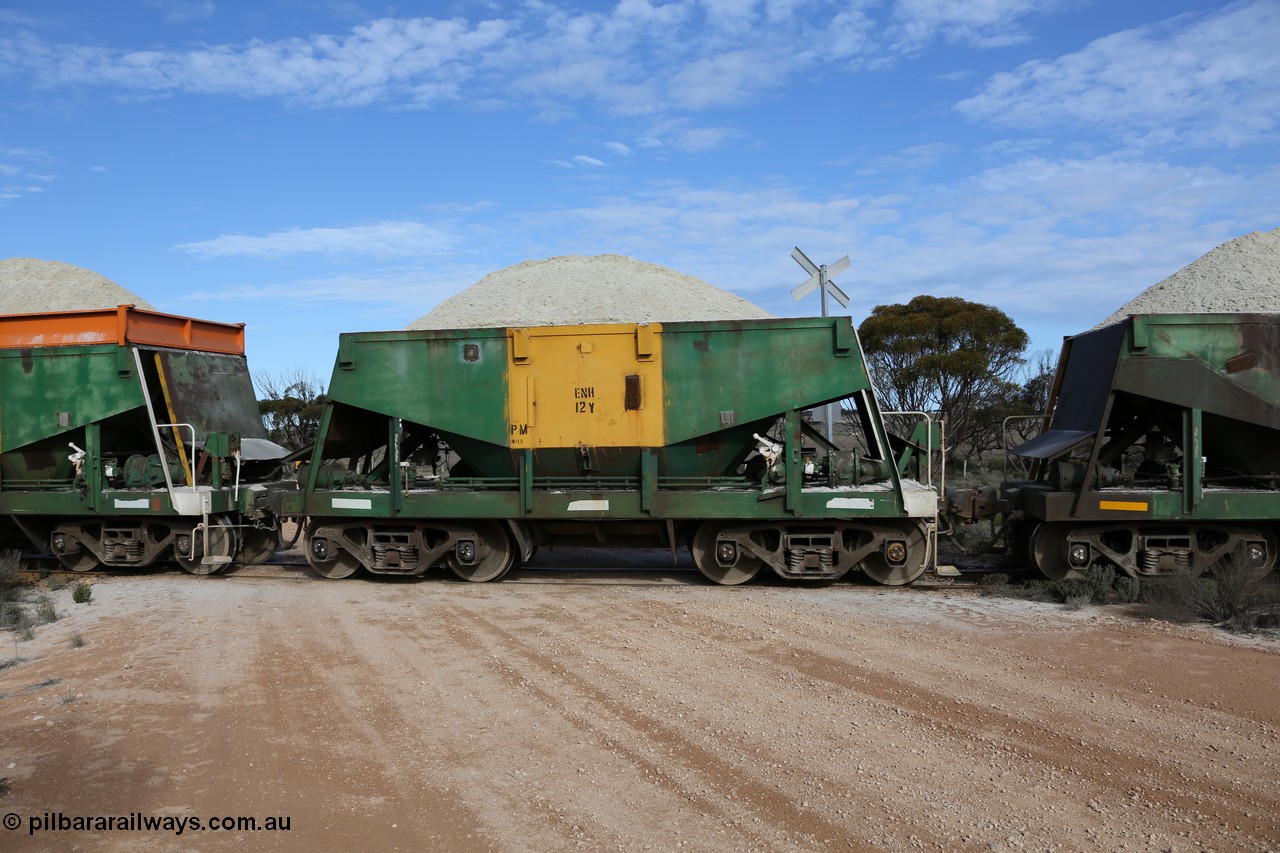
(415,59)
(1064,242)
(848,34)
(17,167)
(12,18)
(579,160)
(911,158)
(660,63)
(725,78)
(404,292)
(1055,242)
(682,135)
(182,11)
(384,240)
(1211,79)
(979,23)
(635,59)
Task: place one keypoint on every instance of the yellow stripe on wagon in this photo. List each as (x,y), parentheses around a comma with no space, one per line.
(1124,506)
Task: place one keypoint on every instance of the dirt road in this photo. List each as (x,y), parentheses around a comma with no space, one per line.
(632,712)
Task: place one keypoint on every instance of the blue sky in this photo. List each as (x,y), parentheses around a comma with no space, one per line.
(312,167)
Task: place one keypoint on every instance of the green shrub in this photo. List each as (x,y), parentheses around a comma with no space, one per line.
(1234,595)
(996,583)
(45,610)
(1099,581)
(1128,590)
(1094,588)
(1243,598)
(82,593)
(1172,598)
(10,567)
(13,617)
(1039,590)
(1098,586)
(1071,588)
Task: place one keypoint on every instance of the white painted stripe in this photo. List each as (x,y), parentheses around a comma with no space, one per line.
(142,503)
(923,504)
(851,503)
(352,503)
(588,506)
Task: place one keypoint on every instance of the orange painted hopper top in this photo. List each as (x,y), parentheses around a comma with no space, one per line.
(121,325)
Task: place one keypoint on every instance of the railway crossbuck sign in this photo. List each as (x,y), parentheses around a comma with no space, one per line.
(820,277)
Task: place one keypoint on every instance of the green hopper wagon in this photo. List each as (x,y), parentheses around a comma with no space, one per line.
(469,448)
(130,436)
(1161,450)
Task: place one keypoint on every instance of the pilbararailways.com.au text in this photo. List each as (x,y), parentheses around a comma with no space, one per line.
(138,822)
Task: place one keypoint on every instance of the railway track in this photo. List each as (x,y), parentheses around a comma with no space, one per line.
(566,567)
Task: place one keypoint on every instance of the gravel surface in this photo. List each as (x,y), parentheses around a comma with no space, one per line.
(579,289)
(391,714)
(29,285)
(1242,276)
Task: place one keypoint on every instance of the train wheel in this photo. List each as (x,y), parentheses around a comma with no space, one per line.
(918,547)
(81,560)
(729,568)
(1049,551)
(500,554)
(220,548)
(327,558)
(1261,558)
(1020,543)
(257,545)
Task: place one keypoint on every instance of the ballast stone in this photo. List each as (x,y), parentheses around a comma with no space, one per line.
(1240,276)
(580,289)
(30,285)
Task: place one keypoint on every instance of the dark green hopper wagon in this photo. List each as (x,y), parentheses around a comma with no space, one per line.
(1162,449)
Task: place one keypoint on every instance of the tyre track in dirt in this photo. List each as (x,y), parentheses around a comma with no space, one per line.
(346,695)
(495,741)
(814,703)
(585,701)
(793,768)
(1103,774)
(1110,771)
(461,727)
(247,725)
(543,681)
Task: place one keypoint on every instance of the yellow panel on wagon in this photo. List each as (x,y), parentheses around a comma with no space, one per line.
(585,386)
